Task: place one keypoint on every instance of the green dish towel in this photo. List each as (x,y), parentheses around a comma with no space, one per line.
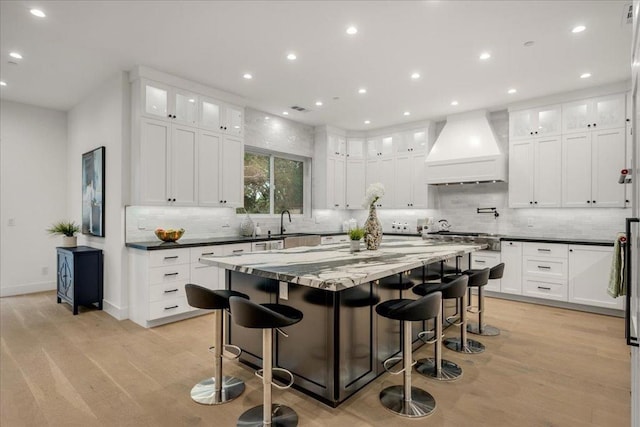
(617,285)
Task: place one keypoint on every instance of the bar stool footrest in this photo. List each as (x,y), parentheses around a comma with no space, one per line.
(259,374)
(391,360)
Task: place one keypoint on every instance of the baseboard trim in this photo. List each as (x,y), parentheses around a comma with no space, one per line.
(31,288)
(115,311)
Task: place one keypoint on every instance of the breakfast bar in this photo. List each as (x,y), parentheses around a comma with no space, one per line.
(340,344)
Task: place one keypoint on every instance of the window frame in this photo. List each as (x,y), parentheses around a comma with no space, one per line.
(306,182)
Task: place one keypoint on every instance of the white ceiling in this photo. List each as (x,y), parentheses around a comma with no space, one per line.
(82,43)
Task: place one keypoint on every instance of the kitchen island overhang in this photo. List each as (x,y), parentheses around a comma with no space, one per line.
(340,344)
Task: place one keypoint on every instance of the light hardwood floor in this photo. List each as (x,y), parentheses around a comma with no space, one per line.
(549,367)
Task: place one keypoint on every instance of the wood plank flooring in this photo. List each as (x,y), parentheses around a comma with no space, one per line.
(549,367)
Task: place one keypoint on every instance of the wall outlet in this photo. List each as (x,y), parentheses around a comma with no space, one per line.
(529,222)
(284,291)
(142,223)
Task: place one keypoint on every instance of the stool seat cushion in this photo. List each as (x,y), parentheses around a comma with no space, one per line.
(209,299)
(477,278)
(404,309)
(262,316)
(455,288)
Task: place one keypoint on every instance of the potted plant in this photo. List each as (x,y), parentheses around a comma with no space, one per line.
(68,230)
(356,234)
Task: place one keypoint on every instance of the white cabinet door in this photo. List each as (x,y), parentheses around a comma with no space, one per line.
(487,259)
(153,174)
(155,100)
(511,255)
(234,120)
(335,182)
(184,107)
(356,148)
(232,172)
(402,182)
(576,166)
(209,276)
(211,114)
(547,172)
(337,145)
(355,186)
(208,168)
(609,112)
(608,159)
(183,165)
(549,121)
(520,124)
(576,116)
(589,276)
(386,175)
(521,174)
(419,187)
(535,122)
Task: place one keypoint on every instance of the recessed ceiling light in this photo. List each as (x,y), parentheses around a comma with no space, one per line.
(407,113)
(511,91)
(454,103)
(366,122)
(415,76)
(362,90)
(585,75)
(267,117)
(485,55)
(578,29)
(285,113)
(38,13)
(3,83)
(191,100)
(247,76)
(291,57)
(352,30)
(319,103)
(15,55)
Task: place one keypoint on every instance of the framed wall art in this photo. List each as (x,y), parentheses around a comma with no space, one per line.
(93,192)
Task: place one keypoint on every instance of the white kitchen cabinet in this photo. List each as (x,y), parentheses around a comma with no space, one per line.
(591,166)
(601,113)
(221,117)
(207,275)
(535,122)
(328,240)
(220,170)
(336,182)
(410,184)
(169,103)
(487,259)
(382,170)
(545,270)
(355,183)
(589,276)
(167,164)
(535,173)
(511,255)
(329,167)
(381,146)
(412,141)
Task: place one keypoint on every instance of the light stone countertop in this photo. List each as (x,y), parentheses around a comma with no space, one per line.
(334,267)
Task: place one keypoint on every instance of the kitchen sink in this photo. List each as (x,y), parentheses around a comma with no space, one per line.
(293,240)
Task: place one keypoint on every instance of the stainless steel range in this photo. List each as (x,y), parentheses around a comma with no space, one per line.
(492,240)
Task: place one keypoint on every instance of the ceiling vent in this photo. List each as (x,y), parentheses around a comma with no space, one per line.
(627,14)
(300,109)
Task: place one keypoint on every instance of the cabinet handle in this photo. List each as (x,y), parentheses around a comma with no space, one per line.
(238,251)
(171,274)
(544,287)
(544,250)
(261,244)
(171,257)
(544,267)
(171,307)
(207,253)
(479,261)
(170,291)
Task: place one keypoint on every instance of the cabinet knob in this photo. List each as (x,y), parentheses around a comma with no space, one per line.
(570,250)
(536,132)
(627,201)
(594,202)
(588,125)
(173,200)
(531,133)
(535,203)
(594,125)
(221,127)
(588,201)
(168,200)
(531,202)
(225,201)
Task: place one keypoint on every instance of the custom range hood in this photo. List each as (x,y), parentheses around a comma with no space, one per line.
(466,151)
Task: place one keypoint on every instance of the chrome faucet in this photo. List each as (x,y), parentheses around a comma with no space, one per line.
(282,229)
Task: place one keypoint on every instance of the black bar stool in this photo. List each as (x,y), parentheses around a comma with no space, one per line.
(217,389)
(464,344)
(481,328)
(404,399)
(436,367)
(266,317)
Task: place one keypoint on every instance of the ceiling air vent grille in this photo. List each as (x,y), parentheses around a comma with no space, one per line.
(627,14)
(300,109)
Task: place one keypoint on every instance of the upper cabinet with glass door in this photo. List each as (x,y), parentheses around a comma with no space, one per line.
(535,122)
(381,146)
(169,103)
(221,117)
(605,112)
(411,141)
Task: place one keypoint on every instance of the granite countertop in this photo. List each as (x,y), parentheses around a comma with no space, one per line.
(564,240)
(334,267)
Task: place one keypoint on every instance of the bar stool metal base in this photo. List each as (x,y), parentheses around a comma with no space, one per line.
(420,405)
(449,371)
(281,416)
(487,330)
(205,391)
(471,347)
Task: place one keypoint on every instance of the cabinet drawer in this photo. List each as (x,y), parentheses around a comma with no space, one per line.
(214,250)
(168,257)
(545,267)
(166,291)
(327,240)
(549,289)
(168,307)
(175,273)
(237,248)
(557,250)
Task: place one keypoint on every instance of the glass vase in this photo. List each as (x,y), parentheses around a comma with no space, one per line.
(372,230)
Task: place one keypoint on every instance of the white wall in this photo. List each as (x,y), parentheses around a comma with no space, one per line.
(33,191)
(102,119)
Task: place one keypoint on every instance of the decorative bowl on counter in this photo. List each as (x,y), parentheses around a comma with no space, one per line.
(170,235)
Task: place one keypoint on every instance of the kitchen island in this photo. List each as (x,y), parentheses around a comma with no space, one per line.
(340,344)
